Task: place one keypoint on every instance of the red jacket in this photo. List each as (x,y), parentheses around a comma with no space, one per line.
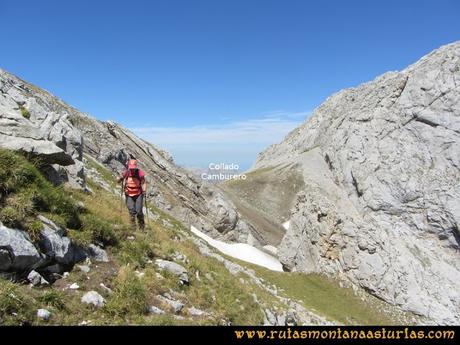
(133,181)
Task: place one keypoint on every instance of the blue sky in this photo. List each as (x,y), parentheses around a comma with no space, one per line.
(214,80)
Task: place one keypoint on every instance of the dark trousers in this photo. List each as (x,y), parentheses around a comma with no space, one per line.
(134,204)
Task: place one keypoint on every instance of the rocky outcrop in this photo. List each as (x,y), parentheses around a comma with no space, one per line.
(43,126)
(381,199)
(174,269)
(35,122)
(51,254)
(172,189)
(17,253)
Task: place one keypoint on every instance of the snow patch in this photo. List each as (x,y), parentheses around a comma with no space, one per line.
(242,251)
(287,224)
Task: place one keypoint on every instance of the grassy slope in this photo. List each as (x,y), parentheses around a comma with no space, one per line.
(212,288)
(264,199)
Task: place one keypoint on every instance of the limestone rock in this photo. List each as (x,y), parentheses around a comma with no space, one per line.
(155,310)
(55,245)
(380,203)
(36,279)
(94,298)
(43,314)
(175,305)
(173,268)
(35,122)
(17,253)
(196,312)
(97,253)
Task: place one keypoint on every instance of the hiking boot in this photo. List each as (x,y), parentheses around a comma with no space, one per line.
(132,220)
(140,221)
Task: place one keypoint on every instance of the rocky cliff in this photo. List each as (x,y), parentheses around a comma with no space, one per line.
(36,122)
(380,202)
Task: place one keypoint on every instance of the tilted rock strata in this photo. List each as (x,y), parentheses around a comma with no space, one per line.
(381,202)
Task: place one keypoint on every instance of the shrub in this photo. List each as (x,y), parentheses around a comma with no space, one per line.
(25,113)
(15,306)
(24,188)
(99,229)
(129,296)
(11,217)
(136,253)
(53,298)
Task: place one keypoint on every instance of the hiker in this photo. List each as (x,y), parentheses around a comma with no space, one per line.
(135,187)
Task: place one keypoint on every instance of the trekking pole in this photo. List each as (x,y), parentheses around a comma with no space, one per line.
(146,210)
(121,198)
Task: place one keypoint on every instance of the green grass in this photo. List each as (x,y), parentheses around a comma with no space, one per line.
(24,112)
(24,193)
(130,295)
(52,299)
(16,306)
(105,174)
(326,297)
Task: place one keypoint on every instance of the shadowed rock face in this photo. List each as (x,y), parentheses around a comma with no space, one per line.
(39,124)
(381,200)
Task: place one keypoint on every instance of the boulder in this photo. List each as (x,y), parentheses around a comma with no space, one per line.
(36,279)
(173,268)
(196,312)
(93,298)
(97,253)
(175,305)
(44,150)
(55,245)
(43,314)
(17,253)
(155,310)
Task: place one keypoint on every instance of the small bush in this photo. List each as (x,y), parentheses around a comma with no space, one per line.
(100,230)
(15,307)
(56,201)
(11,217)
(34,228)
(80,238)
(53,298)
(24,188)
(130,295)
(15,172)
(25,113)
(136,253)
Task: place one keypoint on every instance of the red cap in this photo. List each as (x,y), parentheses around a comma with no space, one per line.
(132,164)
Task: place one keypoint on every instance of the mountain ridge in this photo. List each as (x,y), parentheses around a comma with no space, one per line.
(380,201)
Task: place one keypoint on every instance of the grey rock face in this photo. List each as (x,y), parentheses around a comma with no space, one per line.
(173,268)
(51,254)
(17,253)
(93,298)
(34,121)
(171,188)
(381,199)
(55,245)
